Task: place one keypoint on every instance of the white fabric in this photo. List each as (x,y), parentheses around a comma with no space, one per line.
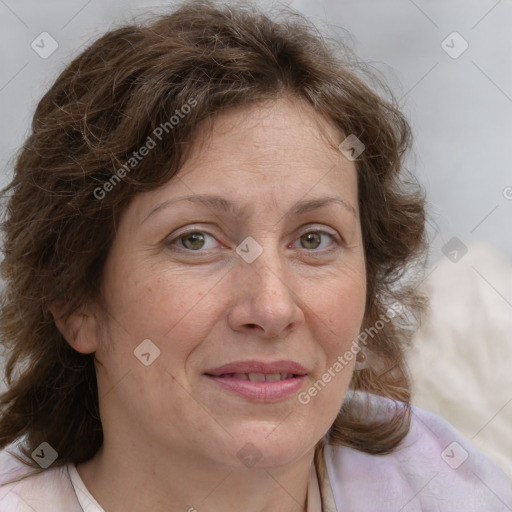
(85,498)
(461,357)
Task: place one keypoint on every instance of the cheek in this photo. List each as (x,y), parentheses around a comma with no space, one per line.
(339,304)
(340,312)
(174,310)
(175,313)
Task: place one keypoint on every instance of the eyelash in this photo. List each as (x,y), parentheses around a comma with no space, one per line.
(314,252)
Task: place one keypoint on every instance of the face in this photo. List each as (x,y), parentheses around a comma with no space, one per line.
(247,272)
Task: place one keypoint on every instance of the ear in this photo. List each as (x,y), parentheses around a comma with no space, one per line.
(79,329)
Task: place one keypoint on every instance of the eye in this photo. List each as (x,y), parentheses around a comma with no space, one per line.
(197,241)
(313,239)
(193,240)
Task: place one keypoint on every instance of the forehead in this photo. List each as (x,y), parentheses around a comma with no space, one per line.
(275,153)
(266,128)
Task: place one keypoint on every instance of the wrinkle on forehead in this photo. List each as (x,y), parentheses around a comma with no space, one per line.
(268,114)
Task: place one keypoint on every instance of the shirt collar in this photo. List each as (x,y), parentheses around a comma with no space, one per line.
(320,497)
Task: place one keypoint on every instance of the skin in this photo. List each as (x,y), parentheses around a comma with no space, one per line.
(171,435)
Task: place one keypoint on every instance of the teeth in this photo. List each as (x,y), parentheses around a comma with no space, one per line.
(257,377)
(243,376)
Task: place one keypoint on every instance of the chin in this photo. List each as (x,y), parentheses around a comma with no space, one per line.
(267,450)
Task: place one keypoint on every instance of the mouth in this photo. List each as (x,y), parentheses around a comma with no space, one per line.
(257,381)
(256,377)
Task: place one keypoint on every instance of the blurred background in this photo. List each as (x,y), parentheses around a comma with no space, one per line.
(449,64)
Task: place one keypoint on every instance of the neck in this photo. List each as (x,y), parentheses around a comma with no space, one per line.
(138,480)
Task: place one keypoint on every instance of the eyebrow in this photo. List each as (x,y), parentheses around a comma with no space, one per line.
(221,204)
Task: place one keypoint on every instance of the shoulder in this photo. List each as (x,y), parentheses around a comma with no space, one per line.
(24,489)
(433,469)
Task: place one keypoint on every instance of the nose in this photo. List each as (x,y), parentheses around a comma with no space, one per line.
(265,300)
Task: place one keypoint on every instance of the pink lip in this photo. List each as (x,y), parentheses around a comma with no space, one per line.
(260,391)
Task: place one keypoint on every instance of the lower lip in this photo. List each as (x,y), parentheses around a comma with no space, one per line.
(261,391)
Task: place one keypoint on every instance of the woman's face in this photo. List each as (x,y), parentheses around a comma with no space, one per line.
(247,272)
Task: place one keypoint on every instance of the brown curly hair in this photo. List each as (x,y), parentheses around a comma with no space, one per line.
(101,109)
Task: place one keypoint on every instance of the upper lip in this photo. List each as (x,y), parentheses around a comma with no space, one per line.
(259,367)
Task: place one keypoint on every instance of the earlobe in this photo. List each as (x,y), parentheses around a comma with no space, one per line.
(79,329)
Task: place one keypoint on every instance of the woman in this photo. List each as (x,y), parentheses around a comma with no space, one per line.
(203,246)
